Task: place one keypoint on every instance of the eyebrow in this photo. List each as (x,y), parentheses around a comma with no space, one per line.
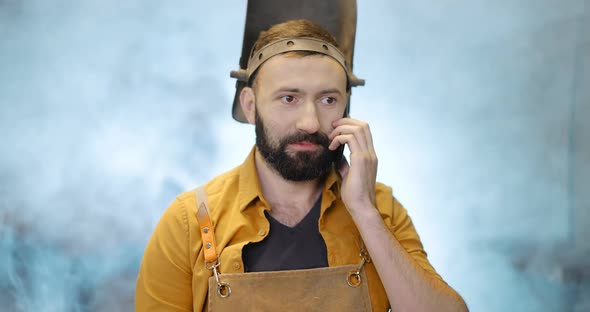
(333,90)
(287,89)
(296,90)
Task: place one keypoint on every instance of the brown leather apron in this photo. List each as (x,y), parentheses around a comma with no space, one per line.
(339,288)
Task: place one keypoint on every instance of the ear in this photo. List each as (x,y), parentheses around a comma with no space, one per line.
(247,102)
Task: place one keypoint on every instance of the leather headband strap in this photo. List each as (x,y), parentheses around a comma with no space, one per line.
(294,44)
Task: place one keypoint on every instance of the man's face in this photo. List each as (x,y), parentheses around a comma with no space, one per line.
(297,99)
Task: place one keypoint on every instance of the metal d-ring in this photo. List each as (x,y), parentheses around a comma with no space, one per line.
(357,279)
(223,290)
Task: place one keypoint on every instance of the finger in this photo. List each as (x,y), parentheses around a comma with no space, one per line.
(353,144)
(342,121)
(368,137)
(358,132)
(345,129)
(358,155)
(346,121)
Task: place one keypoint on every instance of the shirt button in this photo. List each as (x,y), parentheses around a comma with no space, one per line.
(261,232)
(237,266)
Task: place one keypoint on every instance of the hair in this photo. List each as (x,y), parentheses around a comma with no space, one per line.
(291,29)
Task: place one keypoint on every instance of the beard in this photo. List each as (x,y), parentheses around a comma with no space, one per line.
(302,165)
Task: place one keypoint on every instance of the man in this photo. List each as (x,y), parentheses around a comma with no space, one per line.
(295,203)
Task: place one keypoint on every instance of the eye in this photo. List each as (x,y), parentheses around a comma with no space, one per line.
(329,100)
(288,99)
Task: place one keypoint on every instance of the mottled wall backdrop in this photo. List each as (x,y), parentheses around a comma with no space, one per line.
(109,109)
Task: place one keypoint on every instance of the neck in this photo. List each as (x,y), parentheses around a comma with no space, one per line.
(284,194)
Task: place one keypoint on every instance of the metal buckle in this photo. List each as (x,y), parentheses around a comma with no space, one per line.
(223,289)
(354,277)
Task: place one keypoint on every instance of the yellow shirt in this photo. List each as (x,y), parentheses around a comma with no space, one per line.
(172,276)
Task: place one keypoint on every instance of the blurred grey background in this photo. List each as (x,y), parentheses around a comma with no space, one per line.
(109,109)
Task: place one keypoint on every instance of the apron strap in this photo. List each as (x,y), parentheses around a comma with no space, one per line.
(208,239)
(205,226)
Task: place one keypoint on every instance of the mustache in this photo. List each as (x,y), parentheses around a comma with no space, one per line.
(316,138)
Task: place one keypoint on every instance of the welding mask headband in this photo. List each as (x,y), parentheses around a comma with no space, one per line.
(290,45)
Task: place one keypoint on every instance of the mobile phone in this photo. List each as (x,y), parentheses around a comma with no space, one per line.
(340,158)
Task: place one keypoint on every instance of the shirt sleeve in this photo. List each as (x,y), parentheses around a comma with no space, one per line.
(400,224)
(165,275)
(404,231)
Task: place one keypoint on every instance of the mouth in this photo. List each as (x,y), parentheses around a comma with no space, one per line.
(304,145)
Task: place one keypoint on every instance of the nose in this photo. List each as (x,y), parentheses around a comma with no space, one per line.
(308,121)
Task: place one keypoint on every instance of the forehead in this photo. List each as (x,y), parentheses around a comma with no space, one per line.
(312,71)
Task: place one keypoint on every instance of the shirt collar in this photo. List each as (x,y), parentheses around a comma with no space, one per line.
(249,185)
